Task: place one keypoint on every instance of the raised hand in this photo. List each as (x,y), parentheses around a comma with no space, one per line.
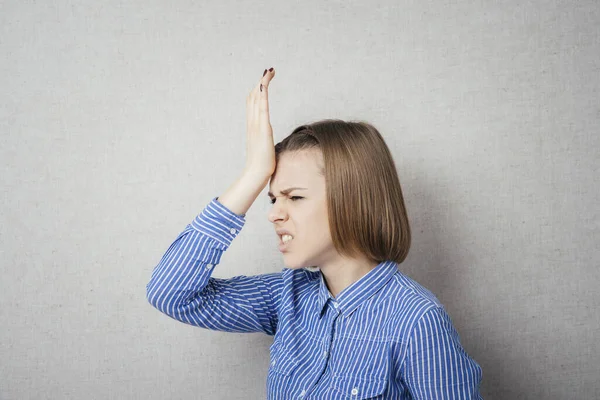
(260,148)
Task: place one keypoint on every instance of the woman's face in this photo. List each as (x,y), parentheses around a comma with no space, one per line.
(301,212)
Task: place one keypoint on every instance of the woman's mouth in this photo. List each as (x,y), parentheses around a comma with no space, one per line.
(284,242)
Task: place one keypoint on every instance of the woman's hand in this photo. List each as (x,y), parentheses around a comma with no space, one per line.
(260,148)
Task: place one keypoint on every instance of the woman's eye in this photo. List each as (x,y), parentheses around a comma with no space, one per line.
(294,198)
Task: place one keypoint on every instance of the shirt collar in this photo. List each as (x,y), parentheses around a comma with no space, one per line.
(355,294)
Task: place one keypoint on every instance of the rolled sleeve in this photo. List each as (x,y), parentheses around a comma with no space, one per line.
(219,222)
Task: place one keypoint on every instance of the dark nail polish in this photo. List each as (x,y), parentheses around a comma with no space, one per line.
(264,72)
(270,69)
(261,86)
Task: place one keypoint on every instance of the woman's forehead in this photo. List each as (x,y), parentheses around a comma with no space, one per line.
(288,176)
(297,169)
(302,162)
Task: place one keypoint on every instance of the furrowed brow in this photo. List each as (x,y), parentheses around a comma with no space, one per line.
(287,191)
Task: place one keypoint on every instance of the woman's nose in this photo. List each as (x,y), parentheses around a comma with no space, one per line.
(276,213)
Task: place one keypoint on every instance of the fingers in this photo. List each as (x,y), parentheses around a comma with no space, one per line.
(263,106)
(264,81)
(258,99)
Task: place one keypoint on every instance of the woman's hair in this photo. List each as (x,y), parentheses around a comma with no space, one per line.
(366,209)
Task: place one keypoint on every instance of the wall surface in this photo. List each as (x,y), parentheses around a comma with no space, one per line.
(120,120)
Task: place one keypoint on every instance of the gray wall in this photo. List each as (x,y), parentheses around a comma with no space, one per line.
(119,121)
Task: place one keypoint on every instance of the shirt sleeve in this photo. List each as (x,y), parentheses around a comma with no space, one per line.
(182,288)
(436,365)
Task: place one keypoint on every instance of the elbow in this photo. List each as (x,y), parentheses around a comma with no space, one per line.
(165,301)
(151,296)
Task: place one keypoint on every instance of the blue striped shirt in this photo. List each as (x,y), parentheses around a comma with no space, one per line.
(383,337)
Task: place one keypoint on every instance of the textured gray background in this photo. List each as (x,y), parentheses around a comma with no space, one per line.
(119,121)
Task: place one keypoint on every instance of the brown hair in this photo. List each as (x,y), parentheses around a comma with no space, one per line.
(366,209)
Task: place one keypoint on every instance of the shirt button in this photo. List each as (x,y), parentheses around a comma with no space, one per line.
(209,266)
(335,305)
(233,231)
(303,393)
(324,353)
(355,391)
(274,362)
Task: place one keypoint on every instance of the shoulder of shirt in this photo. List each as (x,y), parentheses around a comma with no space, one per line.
(418,298)
(413,301)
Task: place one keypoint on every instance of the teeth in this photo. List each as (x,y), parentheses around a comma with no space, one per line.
(286,238)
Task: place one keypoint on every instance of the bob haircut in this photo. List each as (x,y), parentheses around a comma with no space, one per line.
(367,216)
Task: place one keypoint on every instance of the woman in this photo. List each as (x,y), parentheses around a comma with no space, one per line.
(347,323)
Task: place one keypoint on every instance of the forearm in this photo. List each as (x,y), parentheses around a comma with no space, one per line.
(182,288)
(243,192)
(185,268)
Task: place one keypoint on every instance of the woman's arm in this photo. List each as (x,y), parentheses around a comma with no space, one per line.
(181,286)
(436,365)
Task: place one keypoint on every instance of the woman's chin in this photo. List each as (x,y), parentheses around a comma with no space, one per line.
(290,264)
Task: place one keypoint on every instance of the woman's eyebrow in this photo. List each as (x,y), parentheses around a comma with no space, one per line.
(287,191)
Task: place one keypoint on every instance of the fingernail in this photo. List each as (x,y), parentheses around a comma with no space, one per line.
(264,72)
(270,69)
(261,86)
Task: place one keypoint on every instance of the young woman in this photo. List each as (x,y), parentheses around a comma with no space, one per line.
(347,323)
